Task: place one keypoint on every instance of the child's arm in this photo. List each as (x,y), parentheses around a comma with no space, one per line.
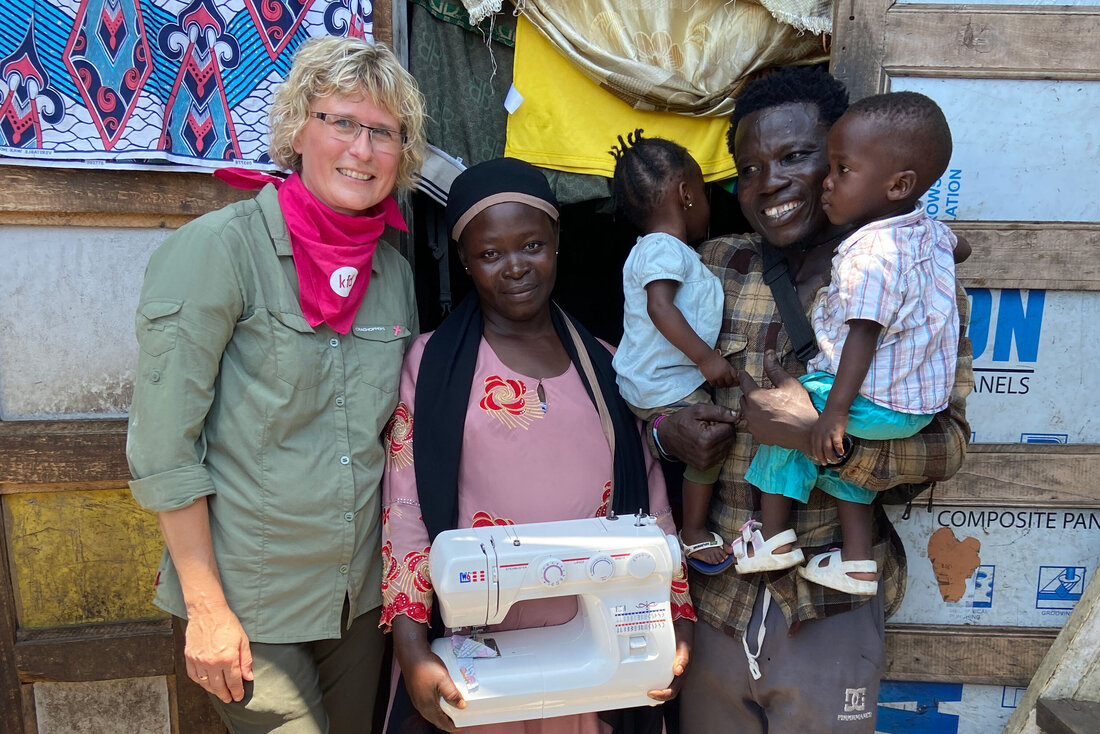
(673,326)
(827,434)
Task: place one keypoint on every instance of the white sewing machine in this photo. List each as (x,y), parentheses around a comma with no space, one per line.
(619,646)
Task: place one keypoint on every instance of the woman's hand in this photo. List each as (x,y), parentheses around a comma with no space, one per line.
(698,435)
(426,677)
(782,416)
(217,652)
(685,638)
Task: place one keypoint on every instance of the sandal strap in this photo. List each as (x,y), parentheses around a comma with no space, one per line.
(714,542)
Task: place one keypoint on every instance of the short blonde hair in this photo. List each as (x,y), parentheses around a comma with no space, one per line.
(329,66)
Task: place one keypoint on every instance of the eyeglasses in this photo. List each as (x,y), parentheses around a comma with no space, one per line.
(382,140)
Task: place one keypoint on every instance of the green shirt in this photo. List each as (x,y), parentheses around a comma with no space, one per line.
(238,399)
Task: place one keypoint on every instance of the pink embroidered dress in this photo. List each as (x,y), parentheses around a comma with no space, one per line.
(520,464)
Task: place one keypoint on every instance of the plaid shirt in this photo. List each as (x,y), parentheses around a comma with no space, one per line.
(751,325)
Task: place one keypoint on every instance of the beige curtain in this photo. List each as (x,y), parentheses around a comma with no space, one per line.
(685,56)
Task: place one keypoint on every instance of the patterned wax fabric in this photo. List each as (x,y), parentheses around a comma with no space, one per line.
(751,326)
(568,123)
(687,56)
(135,83)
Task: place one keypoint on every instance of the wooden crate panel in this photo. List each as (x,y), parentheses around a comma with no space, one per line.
(81,557)
(106,707)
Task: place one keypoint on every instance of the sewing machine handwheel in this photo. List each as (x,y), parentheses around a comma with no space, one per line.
(641,564)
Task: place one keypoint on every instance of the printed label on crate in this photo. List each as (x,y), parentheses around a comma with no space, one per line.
(996,566)
(1032,356)
(944,708)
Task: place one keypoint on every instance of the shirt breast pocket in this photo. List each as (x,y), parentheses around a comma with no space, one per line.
(298,351)
(158,326)
(732,347)
(380,348)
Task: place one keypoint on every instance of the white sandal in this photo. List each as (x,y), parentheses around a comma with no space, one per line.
(835,575)
(762,558)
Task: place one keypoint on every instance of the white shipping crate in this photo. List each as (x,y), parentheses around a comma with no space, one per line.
(944,708)
(995,566)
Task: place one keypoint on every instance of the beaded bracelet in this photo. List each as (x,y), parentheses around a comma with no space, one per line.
(660,449)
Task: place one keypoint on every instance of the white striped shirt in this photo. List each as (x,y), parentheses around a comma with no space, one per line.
(900,273)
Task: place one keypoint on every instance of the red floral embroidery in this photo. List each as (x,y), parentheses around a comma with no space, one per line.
(416,562)
(389,565)
(601,511)
(679,581)
(399,436)
(483,519)
(501,394)
(385,517)
(683,611)
(402,604)
(509,402)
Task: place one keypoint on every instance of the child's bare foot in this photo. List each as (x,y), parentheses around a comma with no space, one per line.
(696,536)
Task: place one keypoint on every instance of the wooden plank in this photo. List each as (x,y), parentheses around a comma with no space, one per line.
(51,456)
(858,45)
(55,452)
(11,700)
(382,19)
(978,41)
(1063,716)
(1071,668)
(193,711)
(100,219)
(1026,475)
(91,652)
(1001,656)
(30,714)
(77,191)
(1005,255)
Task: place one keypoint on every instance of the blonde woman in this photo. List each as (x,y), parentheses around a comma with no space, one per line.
(271,337)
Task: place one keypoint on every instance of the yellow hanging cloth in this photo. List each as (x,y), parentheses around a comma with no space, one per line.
(568,123)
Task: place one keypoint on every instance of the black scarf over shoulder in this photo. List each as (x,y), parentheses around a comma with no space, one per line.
(443,387)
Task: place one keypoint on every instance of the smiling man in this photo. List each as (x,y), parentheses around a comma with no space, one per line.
(776,652)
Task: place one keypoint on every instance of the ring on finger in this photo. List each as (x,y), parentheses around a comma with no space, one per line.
(204,677)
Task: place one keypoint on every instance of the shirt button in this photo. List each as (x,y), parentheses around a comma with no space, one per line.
(334,342)
(340,401)
(154,376)
(345,460)
(349,516)
(343,569)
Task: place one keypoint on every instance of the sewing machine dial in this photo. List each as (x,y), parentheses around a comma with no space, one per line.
(601,567)
(552,572)
(641,564)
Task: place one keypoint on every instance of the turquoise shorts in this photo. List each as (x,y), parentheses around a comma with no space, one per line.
(791,473)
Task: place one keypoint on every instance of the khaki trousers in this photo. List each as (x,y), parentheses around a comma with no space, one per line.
(319,687)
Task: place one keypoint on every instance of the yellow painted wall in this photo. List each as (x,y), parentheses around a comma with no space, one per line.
(82,557)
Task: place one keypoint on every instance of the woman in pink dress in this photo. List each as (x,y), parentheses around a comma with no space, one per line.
(506,431)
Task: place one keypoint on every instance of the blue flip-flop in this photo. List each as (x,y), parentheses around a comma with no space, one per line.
(710,569)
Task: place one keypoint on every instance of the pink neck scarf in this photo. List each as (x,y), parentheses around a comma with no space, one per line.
(332,251)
